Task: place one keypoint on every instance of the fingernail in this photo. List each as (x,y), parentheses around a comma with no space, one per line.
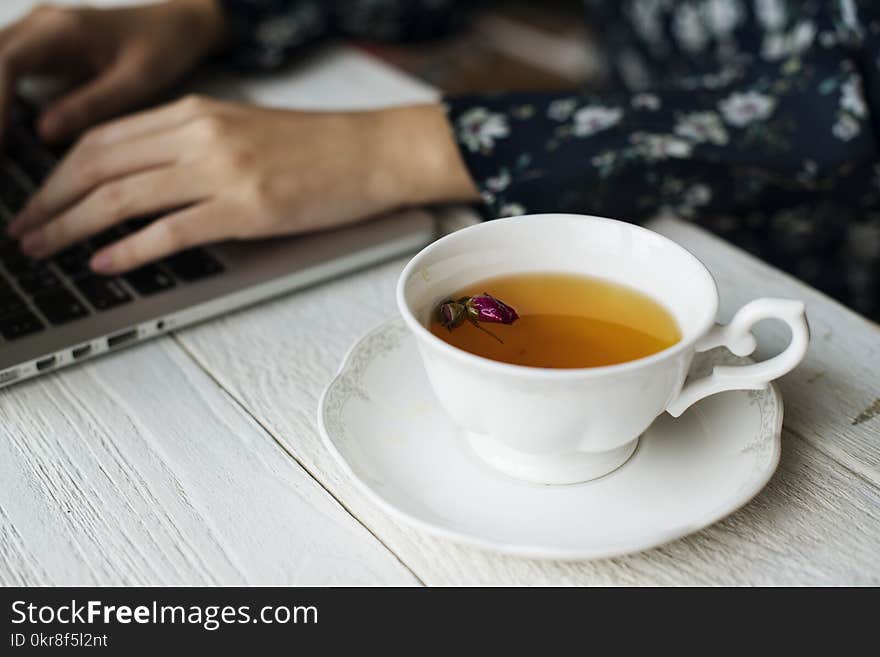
(33,242)
(101,262)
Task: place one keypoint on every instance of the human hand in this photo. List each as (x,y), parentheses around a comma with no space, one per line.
(120,57)
(231,171)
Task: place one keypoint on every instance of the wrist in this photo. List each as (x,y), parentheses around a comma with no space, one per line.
(423,159)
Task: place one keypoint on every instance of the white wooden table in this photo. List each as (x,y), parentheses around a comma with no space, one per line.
(195,459)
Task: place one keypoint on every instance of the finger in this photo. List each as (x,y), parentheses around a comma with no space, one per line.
(29,46)
(107,95)
(6,32)
(148,122)
(89,167)
(7,76)
(200,224)
(37,46)
(134,196)
(30,50)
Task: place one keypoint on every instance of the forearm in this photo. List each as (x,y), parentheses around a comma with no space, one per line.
(415,145)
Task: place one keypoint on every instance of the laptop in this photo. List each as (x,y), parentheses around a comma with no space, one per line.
(57,313)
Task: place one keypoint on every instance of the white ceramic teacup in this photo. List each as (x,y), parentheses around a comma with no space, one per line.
(559,426)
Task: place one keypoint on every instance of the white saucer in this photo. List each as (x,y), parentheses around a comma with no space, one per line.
(381,421)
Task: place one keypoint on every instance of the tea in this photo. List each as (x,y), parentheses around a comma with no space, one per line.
(565,321)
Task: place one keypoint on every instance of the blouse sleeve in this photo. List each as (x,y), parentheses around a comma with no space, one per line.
(771,134)
(265,33)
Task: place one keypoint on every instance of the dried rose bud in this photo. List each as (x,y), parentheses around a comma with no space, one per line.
(451,314)
(486,308)
(481,308)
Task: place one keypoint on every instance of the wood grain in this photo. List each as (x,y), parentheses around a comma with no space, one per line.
(815,510)
(138,469)
(179,463)
(830,398)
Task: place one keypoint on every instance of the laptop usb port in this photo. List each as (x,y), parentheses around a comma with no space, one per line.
(46,363)
(82,352)
(8,375)
(121,338)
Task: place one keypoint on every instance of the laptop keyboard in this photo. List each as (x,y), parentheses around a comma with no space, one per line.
(37,294)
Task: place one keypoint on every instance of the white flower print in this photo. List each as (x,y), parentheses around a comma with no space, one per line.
(779,45)
(698,195)
(802,36)
(722,16)
(828,39)
(561,110)
(672,186)
(645,101)
(742,108)
(771,14)
(278,31)
(849,15)
(774,47)
(702,127)
(478,128)
(846,128)
(646,19)
(633,69)
(590,120)
(808,171)
(603,160)
(793,223)
(852,98)
(689,29)
(660,147)
(511,210)
(498,183)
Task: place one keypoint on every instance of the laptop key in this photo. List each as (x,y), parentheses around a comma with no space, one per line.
(59,306)
(102,293)
(149,280)
(12,194)
(19,325)
(75,261)
(11,303)
(30,155)
(14,260)
(140,223)
(194,264)
(109,236)
(36,279)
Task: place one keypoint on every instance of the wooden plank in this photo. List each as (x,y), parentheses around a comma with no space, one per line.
(816,522)
(138,470)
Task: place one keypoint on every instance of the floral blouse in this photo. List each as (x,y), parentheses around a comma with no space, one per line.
(757,119)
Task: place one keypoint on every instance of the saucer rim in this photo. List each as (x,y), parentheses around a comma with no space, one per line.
(532,551)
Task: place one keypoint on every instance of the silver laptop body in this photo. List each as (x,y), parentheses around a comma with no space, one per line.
(240,274)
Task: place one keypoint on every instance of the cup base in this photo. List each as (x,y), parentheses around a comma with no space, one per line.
(554,470)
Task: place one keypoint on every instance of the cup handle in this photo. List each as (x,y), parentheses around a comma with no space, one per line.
(738,338)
